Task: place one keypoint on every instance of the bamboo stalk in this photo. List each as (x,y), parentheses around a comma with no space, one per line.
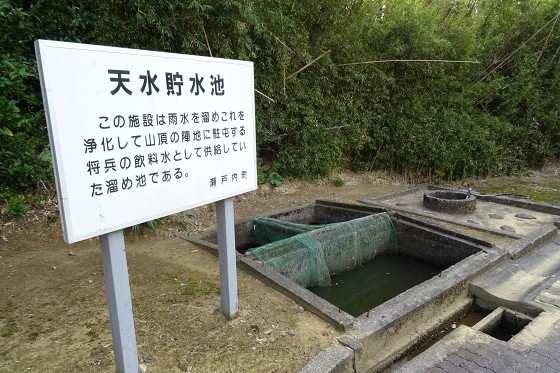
(262,94)
(206,37)
(337,127)
(546,39)
(510,56)
(284,44)
(309,64)
(387,61)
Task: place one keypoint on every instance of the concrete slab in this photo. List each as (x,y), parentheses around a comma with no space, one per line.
(551,295)
(496,215)
(525,284)
(333,359)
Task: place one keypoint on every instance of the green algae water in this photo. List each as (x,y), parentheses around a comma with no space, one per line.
(370,285)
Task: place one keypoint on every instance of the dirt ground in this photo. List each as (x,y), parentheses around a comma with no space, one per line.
(53,310)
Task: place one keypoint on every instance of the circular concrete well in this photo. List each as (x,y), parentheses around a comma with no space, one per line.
(452,202)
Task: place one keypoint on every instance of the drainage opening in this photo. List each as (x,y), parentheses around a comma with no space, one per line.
(473,316)
(503,324)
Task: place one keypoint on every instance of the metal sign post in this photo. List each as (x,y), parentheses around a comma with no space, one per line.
(226,247)
(115,272)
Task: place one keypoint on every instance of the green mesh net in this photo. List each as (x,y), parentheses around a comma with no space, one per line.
(263,230)
(310,254)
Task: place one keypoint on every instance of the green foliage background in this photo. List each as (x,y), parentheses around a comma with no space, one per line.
(422,119)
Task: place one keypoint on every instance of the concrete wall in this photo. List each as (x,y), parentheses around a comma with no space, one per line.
(432,246)
(384,344)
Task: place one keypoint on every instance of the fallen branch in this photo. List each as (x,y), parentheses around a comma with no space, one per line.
(387,61)
(309,64)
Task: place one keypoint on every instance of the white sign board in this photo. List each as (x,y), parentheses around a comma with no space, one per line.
(137,135)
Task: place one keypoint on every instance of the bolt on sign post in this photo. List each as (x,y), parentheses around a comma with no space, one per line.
(137,135)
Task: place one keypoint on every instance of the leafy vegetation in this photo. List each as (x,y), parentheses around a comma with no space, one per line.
(541,191)
(16,205)
(440,89)
(338,181)
(136,230)
(199,288)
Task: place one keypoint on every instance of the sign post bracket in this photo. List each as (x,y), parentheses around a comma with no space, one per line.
(117,287)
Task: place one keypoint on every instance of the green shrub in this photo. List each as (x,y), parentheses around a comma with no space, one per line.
(16,205)
(424,119)
(338,181)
